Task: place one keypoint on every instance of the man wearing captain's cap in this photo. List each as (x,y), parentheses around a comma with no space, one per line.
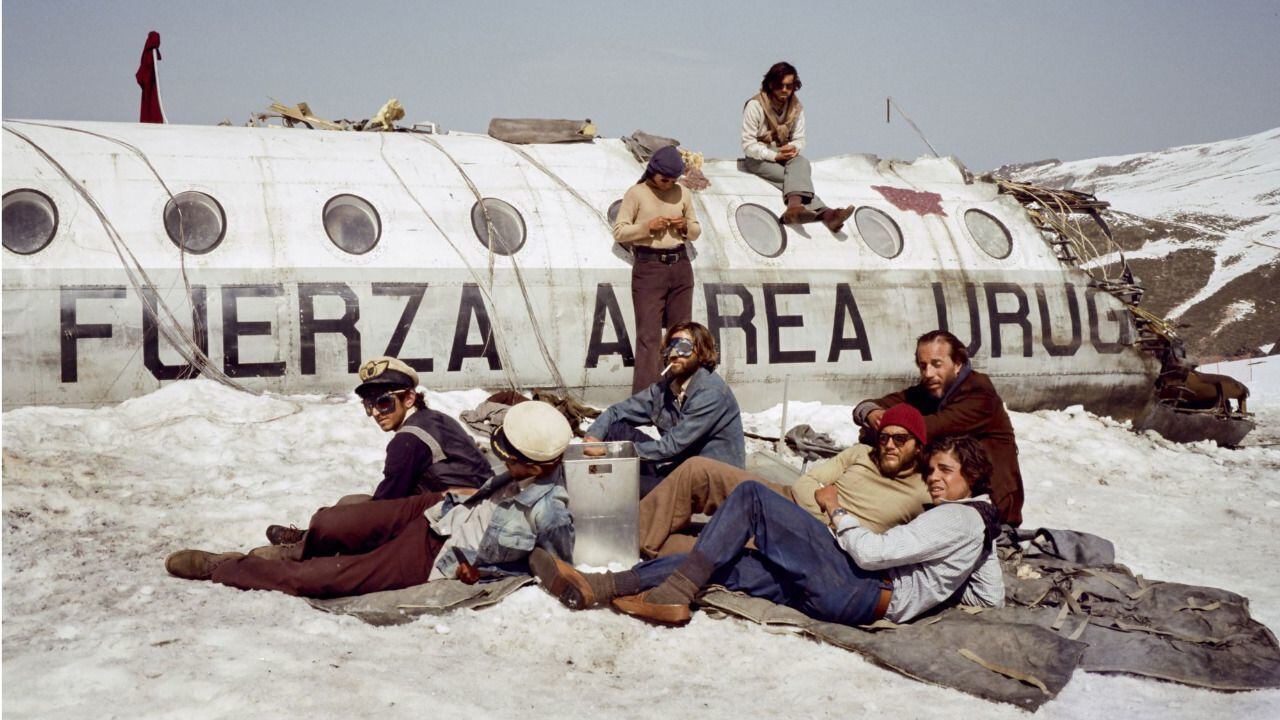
(430,451)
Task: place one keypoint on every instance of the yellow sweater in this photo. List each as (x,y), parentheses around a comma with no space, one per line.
(878,502)
(643,203)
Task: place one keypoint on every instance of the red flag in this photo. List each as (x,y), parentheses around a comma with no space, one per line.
(151,111)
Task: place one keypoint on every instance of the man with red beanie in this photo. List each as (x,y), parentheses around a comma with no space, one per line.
(957,400)
(881,486)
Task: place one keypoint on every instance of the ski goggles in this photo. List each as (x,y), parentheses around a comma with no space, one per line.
(680,347)
(383,404)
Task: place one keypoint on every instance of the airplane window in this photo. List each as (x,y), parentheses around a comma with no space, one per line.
(194,221)
(613,211)
(507,224)
(760,229)
(30,221)
(352,223)
(990,234)
(879,232)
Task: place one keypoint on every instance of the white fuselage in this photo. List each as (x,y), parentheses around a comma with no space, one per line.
(282,308)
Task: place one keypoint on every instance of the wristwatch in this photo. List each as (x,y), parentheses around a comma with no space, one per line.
(838,513)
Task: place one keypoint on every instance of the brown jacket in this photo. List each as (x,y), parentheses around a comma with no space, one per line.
(973,407)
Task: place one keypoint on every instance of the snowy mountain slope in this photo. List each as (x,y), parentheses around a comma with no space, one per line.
(95,628)
(1200,225)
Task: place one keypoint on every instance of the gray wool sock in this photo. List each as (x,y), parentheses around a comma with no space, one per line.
(603,585)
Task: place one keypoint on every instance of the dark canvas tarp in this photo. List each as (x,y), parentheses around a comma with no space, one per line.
(525,131)
(1060,616)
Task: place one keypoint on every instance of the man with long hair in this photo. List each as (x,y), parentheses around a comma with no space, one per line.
(692,407)
(773,136)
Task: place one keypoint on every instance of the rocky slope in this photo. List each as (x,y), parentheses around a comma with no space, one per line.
(1200,226)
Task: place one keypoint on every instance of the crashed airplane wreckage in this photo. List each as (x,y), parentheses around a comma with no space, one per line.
(274,260)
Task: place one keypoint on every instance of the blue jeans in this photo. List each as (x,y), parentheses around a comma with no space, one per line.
(796,562)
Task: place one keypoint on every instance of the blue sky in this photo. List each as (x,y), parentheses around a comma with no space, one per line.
(991,83)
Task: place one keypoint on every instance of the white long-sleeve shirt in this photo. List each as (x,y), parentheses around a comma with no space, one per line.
(754,125)
(929,559)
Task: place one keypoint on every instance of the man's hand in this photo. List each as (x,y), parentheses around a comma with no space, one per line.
(593,451)
(873,418)
(658,224)
(827,498)
(468,573)
(786,152)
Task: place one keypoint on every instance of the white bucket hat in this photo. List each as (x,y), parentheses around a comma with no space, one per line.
(532,432)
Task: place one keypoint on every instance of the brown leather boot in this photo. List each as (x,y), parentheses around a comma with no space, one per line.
(197,564)
(834,218)
(290,551)
(575,590)
(661,613)
(284,535)
(796,213)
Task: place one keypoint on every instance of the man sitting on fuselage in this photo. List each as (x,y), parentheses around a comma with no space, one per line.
(958,400)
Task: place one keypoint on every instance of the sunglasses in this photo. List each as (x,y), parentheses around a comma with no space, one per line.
(897,439)
(383,404)
(679,348)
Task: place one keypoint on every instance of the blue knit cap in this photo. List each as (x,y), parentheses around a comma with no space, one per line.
(666,161)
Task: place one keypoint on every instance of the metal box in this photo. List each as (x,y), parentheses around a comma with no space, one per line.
(604,497)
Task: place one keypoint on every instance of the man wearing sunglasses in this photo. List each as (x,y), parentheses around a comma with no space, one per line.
(772,140)
(880,485)
(694,410)
(958,400)
(429,452)
(366,547)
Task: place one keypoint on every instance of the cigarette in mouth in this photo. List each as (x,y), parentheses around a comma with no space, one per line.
(665,369)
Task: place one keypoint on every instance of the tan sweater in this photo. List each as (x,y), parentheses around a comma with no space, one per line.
(641,204)
(878,502)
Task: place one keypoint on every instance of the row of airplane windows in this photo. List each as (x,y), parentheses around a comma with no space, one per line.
(196,222)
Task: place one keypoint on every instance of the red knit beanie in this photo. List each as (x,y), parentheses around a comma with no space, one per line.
(906,417)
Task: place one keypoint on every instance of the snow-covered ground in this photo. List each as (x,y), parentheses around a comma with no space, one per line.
(93,627)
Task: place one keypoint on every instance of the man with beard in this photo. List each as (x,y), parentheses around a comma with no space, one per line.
(880,485)
(957,400)
(692,407)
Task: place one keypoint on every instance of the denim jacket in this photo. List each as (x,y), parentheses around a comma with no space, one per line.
(537,516)
(708,423)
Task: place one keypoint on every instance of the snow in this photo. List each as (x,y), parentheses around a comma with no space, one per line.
(95,628)
(1261,375)
(1228,191)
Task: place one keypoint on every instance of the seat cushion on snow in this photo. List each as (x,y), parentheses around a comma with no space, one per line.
(395,607)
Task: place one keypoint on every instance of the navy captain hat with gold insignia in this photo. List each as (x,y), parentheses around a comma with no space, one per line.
(385,373)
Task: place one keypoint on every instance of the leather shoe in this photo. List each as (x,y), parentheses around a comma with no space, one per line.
(562,580)
(197,564)
(835,219)
(798,215)
(284,534)
(639,606)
